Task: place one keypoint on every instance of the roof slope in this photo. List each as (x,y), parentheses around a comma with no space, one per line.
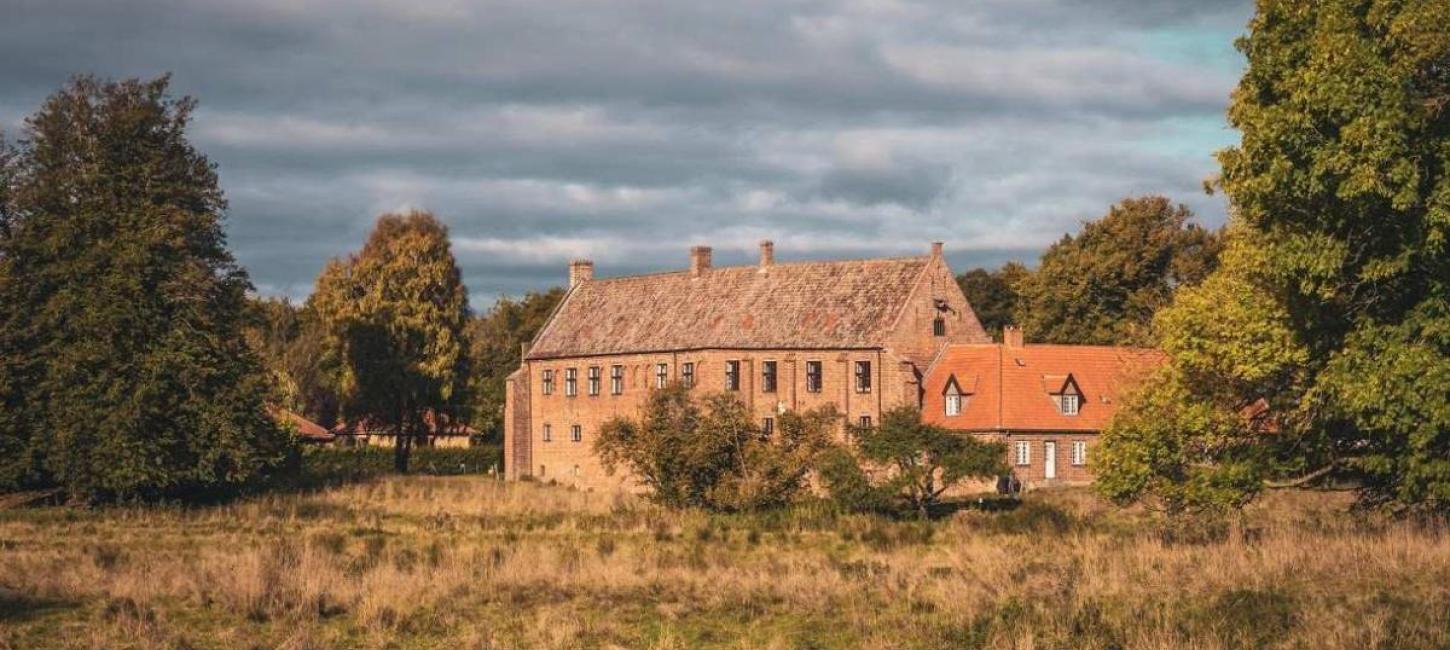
(1014,384)
(843,304)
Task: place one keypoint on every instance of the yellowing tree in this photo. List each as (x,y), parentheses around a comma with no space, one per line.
(394,316)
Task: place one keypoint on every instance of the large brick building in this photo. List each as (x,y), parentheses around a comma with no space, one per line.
(1047,402)
(791,336)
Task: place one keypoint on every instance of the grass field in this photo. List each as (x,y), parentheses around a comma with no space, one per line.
(465,562)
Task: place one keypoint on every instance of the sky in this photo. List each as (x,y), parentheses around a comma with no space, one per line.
(625,131)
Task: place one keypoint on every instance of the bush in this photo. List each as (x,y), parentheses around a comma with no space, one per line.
(329,465)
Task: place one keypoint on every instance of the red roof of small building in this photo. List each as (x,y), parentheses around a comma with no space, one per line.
(437,426)
(306,429)
(1011,388)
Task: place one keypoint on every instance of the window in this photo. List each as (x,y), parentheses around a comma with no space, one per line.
(954,404)
(1068,403)
(594,380)
(813,376)
(865,422)
(548,433)
(548,382)
(732,375)
(1024,453)
(767,377)
(863,376)
(939,327)
(576,433)
(662,375)
(571,382)
(616,380)
(1079,452)
(687,374)
(541,471)
(767,425)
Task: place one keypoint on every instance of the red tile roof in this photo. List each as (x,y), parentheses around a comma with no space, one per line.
(1010,388)
(306,429)
(803,305)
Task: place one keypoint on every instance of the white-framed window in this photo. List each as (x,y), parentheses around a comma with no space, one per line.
(767,376)
(1068,403)
(548,382)
(662,375)
(864,422)
(1024,453)
(1079,452)
(813,376)
(594,374)
(732,375)
(687,374)
(576,433)
(571,382)
(863,376)
(548,433)
(616,380)
(954,404)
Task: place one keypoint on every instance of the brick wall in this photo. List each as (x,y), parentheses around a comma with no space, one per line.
(566,461)
(1034,473)
(913,336)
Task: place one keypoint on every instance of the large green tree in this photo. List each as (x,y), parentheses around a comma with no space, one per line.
(495,341)
(922,461)
(1331,314)
(289,340)
(1103,285)
(394,316)
(123,369)
(993,294)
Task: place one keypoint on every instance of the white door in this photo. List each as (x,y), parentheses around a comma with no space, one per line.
(1049,460)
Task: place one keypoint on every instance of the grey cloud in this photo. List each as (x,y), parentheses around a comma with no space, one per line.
(627,129)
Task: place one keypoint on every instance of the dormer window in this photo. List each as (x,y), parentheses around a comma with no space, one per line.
(1065,393)
(1068,404)
(953,398)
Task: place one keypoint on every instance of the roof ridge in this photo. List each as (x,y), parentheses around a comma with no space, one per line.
(751,267)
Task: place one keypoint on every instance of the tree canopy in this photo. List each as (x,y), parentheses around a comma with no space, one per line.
(1331,310)
(394,316)
(495,350)
(993,294)
(123,369)
(921,461)
(1103,285)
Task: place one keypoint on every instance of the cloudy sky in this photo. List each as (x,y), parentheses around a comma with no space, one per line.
(627,130)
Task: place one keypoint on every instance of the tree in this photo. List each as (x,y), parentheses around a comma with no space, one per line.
(923,460)
(394,316)
(1103,285)
(123,370)
(289,341)
(993,294)
(1330,311)
(708,452)
(495,342)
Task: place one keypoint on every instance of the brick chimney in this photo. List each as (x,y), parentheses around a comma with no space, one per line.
(767,254)
(580,271)
(936,247)
(699,260)
(1012,336)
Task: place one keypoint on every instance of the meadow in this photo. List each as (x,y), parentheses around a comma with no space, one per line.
(469,562)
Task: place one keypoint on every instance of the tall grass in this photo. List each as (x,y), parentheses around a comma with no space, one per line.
(470,562)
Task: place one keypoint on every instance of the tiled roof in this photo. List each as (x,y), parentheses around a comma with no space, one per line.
(306,429)
(807,305)
(1014,384)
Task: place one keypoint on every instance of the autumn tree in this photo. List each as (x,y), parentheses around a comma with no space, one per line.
(993,294)
(123,370)
(495,341)
(921,461)
(707,451)
(289,340)
(1320,350)
(394,316)
(1103,285)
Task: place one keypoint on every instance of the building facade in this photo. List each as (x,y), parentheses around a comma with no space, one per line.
(1049,403)
(856,334)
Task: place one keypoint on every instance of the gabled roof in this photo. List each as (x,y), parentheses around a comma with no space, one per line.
(306,429)
(799,305)
(1016,384)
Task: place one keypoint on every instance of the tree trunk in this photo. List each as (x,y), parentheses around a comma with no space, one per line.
(401,440)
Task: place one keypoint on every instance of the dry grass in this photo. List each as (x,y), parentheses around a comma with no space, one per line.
(466,562)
